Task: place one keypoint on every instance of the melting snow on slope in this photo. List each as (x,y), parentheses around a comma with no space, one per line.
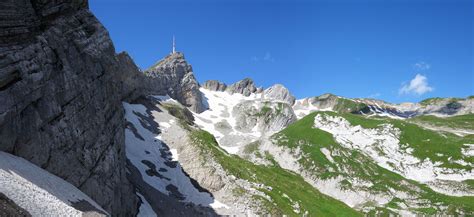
(38,191)
(220,110)
(385,139)
(302,108)
(149,153)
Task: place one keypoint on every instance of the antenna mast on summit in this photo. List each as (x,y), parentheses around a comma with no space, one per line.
(174,45)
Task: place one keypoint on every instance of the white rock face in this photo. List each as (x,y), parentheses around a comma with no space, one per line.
(40,192)
(279,93)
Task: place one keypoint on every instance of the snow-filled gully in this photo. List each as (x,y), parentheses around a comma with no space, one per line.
(157,163)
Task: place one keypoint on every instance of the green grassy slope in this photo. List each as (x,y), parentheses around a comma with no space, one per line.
(426,143)
(284,184)
(457,122)
(352,164)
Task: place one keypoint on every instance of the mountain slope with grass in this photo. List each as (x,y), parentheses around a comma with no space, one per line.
(261,156)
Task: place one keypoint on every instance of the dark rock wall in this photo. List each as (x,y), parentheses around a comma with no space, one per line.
(61,87)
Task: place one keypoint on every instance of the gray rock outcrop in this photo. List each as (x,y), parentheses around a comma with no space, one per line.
(244,87)
(174,76)
(214,85)
(61,87)
(280,93)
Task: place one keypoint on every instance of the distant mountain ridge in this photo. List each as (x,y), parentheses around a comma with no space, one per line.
(366,106)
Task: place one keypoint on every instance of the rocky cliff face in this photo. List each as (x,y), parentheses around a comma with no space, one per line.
(174,76)
(61,87)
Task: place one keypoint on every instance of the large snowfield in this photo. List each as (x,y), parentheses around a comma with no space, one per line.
(220,105)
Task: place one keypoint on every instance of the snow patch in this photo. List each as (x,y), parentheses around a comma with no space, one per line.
(327,154)
(230,150)
(164,124)
(174,154)
(469,150)
(220,106)
(38,191)
(216,205)
(303,107)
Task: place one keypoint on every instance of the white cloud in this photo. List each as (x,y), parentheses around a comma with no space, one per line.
(417,86)
(268,57)
(421,66)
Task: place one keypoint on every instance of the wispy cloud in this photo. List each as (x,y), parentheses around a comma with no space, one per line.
(268,57)
(421,66)
(417,86)
(374,95)
(265,58)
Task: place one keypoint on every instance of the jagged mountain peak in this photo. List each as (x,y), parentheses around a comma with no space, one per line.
(175,77)
(169,60)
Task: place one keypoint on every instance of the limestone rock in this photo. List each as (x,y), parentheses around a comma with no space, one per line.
(174,76)
(280,93)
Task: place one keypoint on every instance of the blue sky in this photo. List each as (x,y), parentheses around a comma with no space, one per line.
(393,50)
